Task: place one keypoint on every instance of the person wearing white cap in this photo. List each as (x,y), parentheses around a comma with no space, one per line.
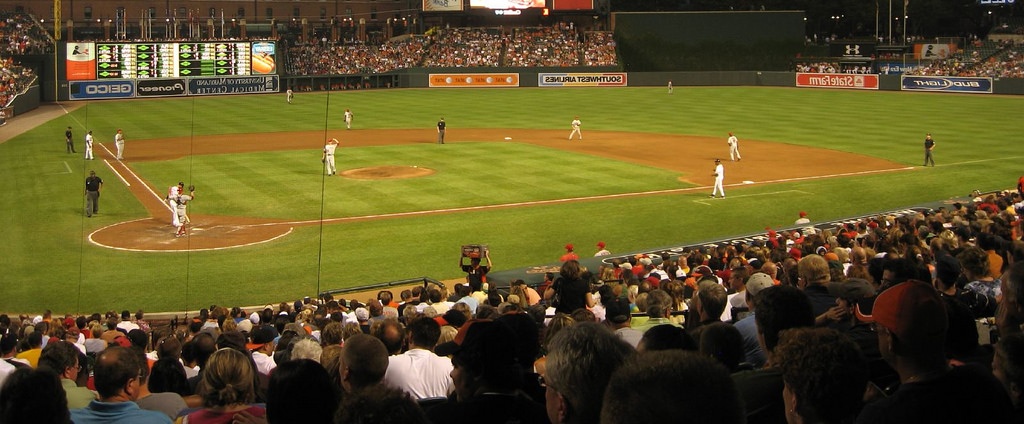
(753,354)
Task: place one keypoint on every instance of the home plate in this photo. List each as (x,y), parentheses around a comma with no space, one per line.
(508,138)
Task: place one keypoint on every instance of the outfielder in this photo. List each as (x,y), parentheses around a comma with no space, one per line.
(734,148)
(328,158)
(119,142)
(182,210)
(719,175)
(290,95)
(576,128)
(88,145)
(348,119)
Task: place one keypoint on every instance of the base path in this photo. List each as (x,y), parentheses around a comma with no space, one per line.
(692,157)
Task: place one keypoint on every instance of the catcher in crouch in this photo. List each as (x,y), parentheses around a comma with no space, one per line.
(183,200)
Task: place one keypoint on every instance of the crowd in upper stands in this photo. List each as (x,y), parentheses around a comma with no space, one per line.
(560,45)
(872,320)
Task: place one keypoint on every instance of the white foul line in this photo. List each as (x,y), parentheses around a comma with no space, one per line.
(114,170)
(568,200)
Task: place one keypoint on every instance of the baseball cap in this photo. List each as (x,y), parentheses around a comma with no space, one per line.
(232,339)
(947,269)
(484,339)
(254,317)
(569,247)
(717,160)
(758,281)
(600,245)
(803,214)
(261,336)
(138,338)
(853,289)
(912,310)
(617,311)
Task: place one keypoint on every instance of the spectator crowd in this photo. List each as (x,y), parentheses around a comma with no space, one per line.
(560,45)
(882,319)
(19,35)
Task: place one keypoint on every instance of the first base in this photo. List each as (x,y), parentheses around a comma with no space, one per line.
(508,138)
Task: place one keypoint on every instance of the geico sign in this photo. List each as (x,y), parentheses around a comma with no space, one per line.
(108,89)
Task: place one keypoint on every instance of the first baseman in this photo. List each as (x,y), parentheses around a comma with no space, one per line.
(576,128)
(328,158)
(719,175)
(734,148)
(88,145)
(119,142)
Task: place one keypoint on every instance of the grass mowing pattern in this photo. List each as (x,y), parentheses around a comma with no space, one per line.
(51,265)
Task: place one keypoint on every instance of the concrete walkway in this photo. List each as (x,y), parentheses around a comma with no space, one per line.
(22,123)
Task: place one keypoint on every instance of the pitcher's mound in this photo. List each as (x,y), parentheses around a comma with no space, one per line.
(387,172)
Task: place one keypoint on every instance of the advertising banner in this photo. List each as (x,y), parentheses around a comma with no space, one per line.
(572,4)
(80,61)
(601,79)
(852,81)
(161,88)
(264,61)
(933,51)
(950,84)
(234,85)
(895,68)
(442,5)
(106,89)
(852,49)
(473,80)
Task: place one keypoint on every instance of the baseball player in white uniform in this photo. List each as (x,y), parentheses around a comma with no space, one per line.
(119,142)
(88,145)
(348,119)
(669,86)
(576,128)
(734,148)
(172,201)
(719,175)
(290,95)
(182,212)
(328,158)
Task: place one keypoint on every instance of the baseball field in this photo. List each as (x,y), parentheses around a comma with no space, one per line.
(268,224)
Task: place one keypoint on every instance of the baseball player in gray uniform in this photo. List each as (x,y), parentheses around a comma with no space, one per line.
(734,148)
(576,128)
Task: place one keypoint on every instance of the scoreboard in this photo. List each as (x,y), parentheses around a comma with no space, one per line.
(172,60)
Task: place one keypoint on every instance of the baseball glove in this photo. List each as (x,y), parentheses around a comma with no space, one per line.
(191,188)
(324,160)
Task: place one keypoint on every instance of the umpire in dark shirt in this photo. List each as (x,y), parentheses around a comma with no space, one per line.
(92,194)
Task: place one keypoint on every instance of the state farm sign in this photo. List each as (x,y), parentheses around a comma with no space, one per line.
(854,81)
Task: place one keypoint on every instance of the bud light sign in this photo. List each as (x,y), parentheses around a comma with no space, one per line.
(112,89)
(951,84)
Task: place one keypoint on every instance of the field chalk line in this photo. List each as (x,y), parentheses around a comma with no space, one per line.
(571,199)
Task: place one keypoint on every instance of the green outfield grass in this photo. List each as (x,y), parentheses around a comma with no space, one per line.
(51,265)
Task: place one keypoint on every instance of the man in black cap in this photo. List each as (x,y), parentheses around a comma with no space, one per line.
(618,317)
(487,378)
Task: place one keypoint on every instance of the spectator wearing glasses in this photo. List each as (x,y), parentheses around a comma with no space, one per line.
(117,377)
(911,323)
(62,359)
